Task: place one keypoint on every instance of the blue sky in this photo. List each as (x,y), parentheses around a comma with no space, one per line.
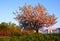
(7,7)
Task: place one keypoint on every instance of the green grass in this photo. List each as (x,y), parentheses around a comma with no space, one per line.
(34,37)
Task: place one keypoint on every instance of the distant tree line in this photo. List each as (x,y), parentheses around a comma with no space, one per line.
(9,29)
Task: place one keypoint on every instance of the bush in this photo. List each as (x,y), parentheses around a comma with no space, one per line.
(33,37)
(38,37)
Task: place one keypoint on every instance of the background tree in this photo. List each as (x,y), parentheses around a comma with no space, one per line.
(3,25)
(9,29)
(4,29)
(14,29)
(35,17)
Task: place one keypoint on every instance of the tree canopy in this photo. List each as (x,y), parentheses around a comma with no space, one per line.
(35,16)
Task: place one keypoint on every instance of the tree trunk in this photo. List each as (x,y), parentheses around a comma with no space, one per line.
(37,31)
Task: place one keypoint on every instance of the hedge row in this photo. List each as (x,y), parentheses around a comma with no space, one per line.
(33,37)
